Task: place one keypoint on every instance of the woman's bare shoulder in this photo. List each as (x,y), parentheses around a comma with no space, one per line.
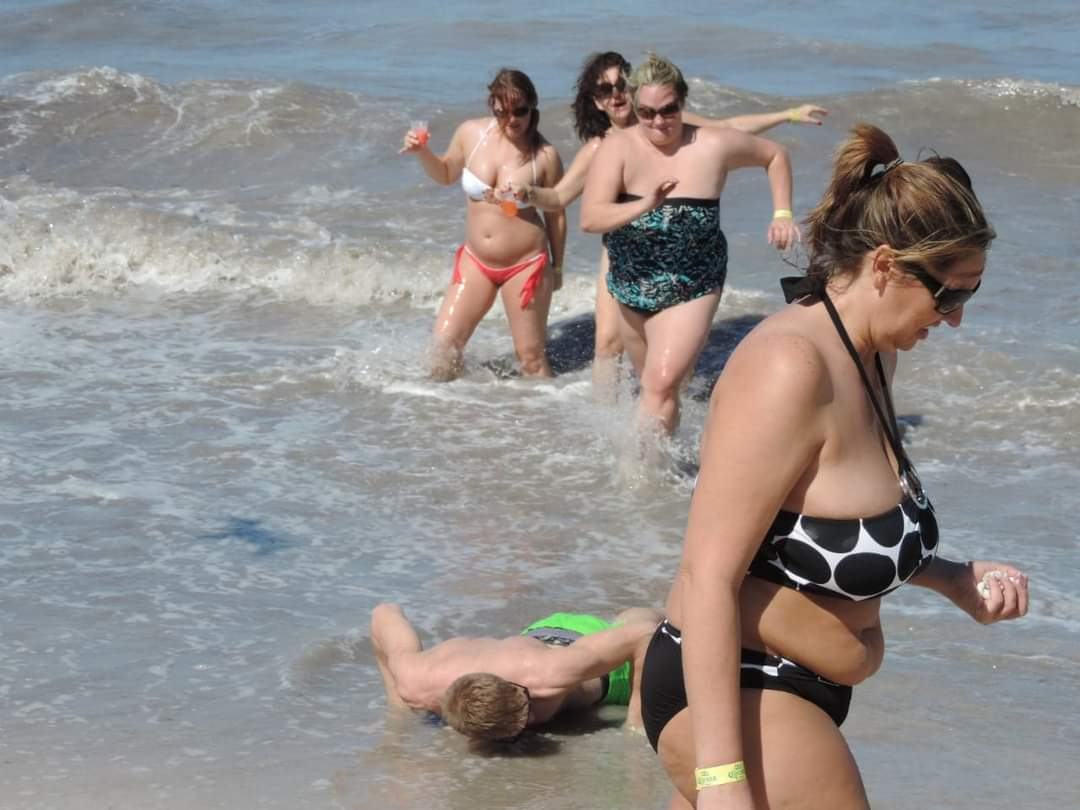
(782,355)
(472,129)
(616,139)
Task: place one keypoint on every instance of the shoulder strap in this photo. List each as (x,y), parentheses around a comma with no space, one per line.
(483,137)
(888,425)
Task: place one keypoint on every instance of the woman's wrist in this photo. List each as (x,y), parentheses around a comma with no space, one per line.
(943,576)
(720,775)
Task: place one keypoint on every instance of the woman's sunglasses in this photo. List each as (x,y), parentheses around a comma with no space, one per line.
(605,89)
(946,299)
(667,111)
(517,112)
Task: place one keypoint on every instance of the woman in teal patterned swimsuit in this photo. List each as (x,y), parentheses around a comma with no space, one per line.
(668,254)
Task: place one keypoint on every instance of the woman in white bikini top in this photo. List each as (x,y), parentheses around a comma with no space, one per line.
(475,188)
(507,250)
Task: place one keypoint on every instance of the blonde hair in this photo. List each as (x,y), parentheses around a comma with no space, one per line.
(925,211)
(656,70)
(486,707)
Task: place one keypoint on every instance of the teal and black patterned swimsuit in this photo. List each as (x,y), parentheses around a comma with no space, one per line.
(672,254)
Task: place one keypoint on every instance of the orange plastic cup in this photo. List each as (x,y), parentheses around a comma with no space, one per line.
(420,130)
(509,207)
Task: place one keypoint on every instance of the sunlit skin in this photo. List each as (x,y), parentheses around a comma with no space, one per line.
(557,677)
(659,157)
(618,107)
(963,274)
(665,133)
(496,237)
(790,426)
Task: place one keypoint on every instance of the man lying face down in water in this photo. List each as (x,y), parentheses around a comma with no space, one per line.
(492,689)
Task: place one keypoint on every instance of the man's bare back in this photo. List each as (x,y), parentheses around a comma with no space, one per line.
(557,677)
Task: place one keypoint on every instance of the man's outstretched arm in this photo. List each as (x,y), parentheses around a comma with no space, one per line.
(592,656)
(653,617)
(393,639)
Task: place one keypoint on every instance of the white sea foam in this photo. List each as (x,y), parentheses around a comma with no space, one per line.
(221,448)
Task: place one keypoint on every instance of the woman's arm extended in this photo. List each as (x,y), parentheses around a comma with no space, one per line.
(568,189)
(987,591)
(446,169)
(741,151)
(600,210)
(756,123)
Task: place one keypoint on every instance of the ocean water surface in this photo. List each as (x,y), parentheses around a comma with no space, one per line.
(219,448)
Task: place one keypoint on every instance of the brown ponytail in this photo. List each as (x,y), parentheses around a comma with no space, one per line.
(925,211)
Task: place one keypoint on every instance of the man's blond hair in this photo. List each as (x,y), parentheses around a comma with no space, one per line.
(486,707)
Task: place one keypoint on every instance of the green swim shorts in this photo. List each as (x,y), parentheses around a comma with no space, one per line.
(563,629)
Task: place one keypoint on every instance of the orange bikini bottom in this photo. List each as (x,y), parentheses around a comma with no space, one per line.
(500,275)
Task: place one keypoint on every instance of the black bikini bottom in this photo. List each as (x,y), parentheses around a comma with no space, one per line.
(663,694)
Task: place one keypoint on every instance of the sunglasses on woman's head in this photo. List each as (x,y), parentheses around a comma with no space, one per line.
(667,111)
(946,299)
(517,112)
(605,89)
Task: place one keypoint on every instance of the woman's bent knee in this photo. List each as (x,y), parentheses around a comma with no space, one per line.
(608,345)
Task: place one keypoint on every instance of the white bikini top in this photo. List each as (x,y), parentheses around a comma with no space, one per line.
(473,186)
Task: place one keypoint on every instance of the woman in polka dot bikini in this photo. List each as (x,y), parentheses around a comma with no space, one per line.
(747,682)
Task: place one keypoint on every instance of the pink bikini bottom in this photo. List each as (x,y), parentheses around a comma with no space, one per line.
(500,275)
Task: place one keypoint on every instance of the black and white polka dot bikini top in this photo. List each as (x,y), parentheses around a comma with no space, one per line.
(853,558)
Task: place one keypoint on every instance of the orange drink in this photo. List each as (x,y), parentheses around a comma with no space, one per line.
(420,130)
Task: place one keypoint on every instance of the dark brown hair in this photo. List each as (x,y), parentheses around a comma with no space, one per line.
(926,211)
(588,120)
(510,85)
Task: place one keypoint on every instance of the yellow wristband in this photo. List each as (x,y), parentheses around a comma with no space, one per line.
(720,774)
(793,115)
(781,213)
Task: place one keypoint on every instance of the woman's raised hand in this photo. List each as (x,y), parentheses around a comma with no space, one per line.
(414,141)
(661,192)
(807,114)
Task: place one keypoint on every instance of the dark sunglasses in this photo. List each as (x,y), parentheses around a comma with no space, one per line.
(605,89)
(946,299)
(667,111)
(517,112)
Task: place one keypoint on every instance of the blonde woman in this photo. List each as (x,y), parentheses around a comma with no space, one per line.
(668,254)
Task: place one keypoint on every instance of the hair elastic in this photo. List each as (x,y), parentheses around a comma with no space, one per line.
(881,169)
